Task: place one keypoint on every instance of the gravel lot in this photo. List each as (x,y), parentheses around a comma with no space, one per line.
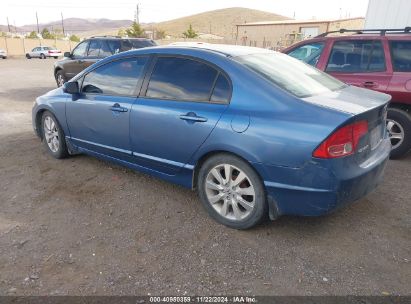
(81,226)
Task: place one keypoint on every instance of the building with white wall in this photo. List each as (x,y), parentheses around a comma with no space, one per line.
(394,14)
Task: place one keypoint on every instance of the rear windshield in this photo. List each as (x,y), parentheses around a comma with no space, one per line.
(290,74)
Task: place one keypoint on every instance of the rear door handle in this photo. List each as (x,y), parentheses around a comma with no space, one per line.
(191,116)
(370,84)
(117,108)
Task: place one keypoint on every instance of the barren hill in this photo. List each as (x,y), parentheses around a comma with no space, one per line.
(219,22)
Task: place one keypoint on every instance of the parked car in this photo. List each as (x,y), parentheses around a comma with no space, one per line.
(43,52)
(379,60)
(254,131)
(3,54)
(92,50)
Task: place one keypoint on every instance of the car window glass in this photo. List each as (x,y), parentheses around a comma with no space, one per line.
(401,55)
(114,46)
(222,91)
(141,43)
(181,79)
(356,56)
(94,48)
(309,53)
(290,74)
(80,50)
(115,78)
(105,50)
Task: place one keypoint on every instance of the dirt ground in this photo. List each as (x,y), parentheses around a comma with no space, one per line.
(81,226)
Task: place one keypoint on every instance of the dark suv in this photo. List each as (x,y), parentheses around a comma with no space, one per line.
(374,59)
(91,50)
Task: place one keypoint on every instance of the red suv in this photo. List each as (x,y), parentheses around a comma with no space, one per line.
(374,59)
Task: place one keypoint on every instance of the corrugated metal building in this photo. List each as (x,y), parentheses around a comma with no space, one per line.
(280,34)
(388,14)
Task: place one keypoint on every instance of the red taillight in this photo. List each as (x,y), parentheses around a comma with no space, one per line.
(343,141)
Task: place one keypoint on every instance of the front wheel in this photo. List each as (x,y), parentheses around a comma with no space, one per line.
(60,79)
(53,136)
(28,56)
(399,131)
(232,192)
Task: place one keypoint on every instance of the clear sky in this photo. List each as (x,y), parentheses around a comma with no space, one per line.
(23,12)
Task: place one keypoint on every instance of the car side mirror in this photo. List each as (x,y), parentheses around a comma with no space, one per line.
(67,54)
(71,87)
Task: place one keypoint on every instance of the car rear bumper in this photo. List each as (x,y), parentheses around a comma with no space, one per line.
(317,189)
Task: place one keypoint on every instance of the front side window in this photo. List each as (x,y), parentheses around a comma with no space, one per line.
(356,56)
(290,74)
(80,50)
(181,79)
(137,44)
(115,78)
(94,48)
(401,55)
(309,53)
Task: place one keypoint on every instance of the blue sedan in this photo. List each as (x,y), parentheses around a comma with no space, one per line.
(255,132)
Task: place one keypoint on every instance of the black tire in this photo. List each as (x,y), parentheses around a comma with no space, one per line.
(28,56)
(60,76)
(55,57)
(403,119)
(5,57)
(62,151)
(260,207)
(42,56)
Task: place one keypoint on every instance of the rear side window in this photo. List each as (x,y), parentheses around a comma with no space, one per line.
(181,79)
(401,55)
(356,56)
(309,53)
(115,78)
(222,90)
(137,44)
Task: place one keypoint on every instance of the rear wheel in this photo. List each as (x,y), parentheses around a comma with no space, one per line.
(232,192)
(53,136)
(42,56)
(399,131)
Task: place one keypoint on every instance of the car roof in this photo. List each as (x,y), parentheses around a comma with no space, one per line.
(222,49)
(117,38)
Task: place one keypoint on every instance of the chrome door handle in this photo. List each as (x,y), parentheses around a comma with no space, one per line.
(193,117)
(117,108)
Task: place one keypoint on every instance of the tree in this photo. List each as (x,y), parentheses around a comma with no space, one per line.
(32,35)
(135,31)
(190,33)
(74,38)
(121,33)
(160,34)
(46,34)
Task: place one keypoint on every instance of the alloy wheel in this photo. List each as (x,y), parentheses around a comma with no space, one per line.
(395,133)
(51,134)
(60,80)
(230,192)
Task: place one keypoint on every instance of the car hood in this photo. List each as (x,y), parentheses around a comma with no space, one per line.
(350,99)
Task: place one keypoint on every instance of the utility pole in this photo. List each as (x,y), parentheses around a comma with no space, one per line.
(137,19)
(38,28)
(62,24)
(8,24)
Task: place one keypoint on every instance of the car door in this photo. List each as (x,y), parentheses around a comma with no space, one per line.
(98,118)
(360,63)
(34,52)
(76,62)
(180,105)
